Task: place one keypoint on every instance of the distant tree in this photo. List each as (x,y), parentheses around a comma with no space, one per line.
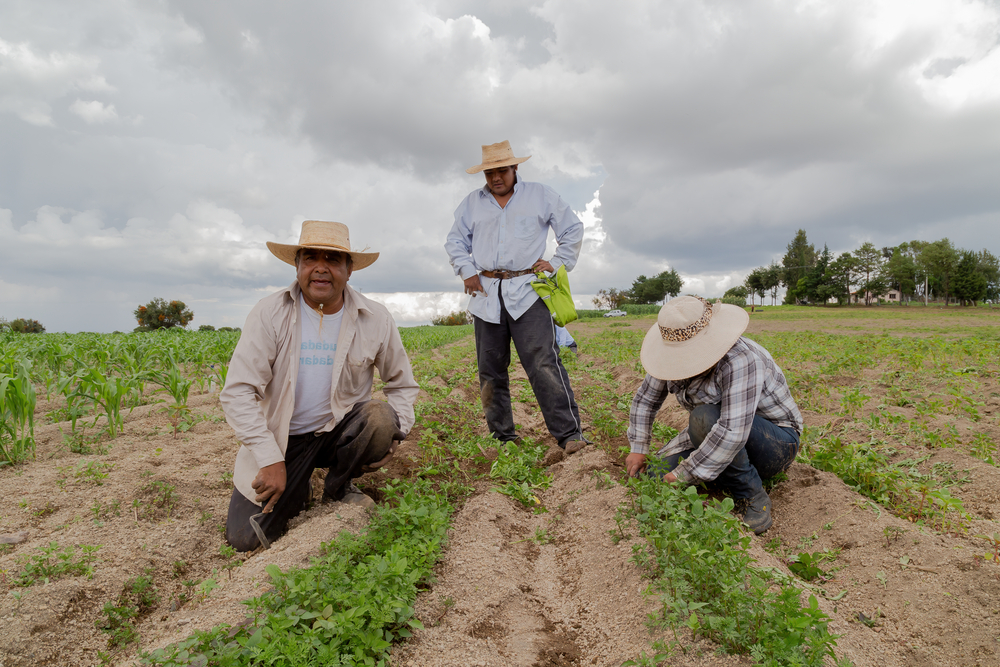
(611,298)
(814,286)
(206,327)
(940,260)
(655,289)
(756,284)
(840,277)
(772,280)
(989,265)
(22,325)
(737,296)
(901,270)
(800,256)
(457,318)
(158,314)
(970,283)
(869,262)
(229,328)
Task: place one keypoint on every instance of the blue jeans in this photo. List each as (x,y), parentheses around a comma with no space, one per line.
(534,336)
(769,449)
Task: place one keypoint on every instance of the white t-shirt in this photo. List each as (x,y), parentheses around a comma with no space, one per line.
(317,352)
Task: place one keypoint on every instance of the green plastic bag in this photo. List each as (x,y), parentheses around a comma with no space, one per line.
(556,295)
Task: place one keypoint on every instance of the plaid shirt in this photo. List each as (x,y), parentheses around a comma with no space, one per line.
(746,382)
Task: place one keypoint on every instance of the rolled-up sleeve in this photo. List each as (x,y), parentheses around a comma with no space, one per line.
(645,404)
(246,386)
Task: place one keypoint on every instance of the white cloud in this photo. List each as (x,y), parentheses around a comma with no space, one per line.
(94,111)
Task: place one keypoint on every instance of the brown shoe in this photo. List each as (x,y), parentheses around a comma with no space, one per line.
(573,446)
(355,496)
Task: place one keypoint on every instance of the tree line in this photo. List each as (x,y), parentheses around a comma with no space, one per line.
(925,270)
(643,290)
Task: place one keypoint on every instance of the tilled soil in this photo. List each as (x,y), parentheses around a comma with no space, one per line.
(513,587)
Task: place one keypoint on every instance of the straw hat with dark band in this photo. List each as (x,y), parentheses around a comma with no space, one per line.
(690,336)
(496,156)
(323,235)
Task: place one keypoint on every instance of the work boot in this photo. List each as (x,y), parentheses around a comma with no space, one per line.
(355,496)
(573,445)
(757,512)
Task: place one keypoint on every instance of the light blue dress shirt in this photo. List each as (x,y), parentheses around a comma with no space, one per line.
(486,237)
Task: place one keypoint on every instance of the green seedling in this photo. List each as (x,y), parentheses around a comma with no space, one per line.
(892,533)
(137,599)
(805,565)
(53,562)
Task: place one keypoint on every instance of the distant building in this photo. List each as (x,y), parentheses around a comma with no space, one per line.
(892,296)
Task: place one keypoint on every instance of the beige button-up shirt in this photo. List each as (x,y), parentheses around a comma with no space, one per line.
(259,396)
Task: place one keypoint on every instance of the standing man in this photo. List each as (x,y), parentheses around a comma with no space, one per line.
(744,426)
(298,392)
(496,245)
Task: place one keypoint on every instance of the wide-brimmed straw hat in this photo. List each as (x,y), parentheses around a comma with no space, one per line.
(496,156)
(323,235)
(690,336)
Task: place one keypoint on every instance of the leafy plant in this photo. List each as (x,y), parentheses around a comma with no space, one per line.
(17,415)
(157,498)
(805,565)
(348,606)
(54,563)
(137,599)
(703,576)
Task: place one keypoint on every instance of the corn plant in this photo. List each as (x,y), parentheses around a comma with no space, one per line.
(110,393)
(178,386)
(17,416)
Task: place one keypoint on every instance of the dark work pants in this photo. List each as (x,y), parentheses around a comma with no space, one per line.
(534,336)
(769,449)
(363,436)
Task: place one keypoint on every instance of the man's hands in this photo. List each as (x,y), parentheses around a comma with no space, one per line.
(472,285)
(372,467)
(542,265)
(270,484)
(634,464)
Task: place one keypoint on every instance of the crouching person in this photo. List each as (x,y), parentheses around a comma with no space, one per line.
(298,391)
(744,426)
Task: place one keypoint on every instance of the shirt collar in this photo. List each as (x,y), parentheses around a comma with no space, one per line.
(353,302)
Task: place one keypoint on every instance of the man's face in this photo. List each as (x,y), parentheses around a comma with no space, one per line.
(322,275)
(501,181)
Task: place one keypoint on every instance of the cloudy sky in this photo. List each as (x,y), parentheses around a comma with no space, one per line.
(150,148)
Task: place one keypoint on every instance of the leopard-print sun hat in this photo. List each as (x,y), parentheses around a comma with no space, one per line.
(690,336)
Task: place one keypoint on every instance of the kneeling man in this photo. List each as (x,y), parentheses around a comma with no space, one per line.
(298,391)
(744,425)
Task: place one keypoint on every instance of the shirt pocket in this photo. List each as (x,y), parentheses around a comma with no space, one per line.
(358,368)
(526,227)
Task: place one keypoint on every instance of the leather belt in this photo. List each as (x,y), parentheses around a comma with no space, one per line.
(505,275)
